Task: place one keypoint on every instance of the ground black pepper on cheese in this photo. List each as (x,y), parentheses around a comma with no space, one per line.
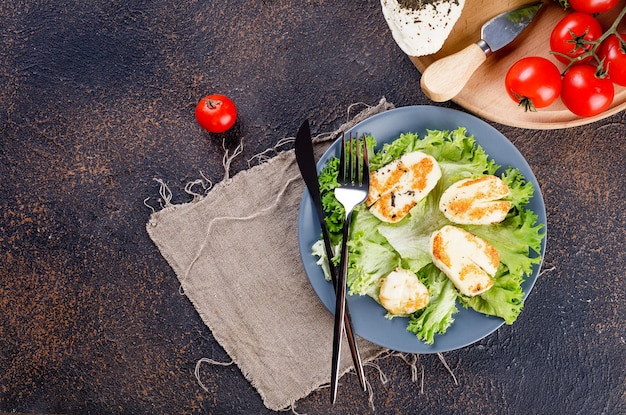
(418,4)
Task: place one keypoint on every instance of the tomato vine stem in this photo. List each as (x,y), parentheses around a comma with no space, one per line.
(592,52)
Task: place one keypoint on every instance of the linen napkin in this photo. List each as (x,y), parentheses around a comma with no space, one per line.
(235,252)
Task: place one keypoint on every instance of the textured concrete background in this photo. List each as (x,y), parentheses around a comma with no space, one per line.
(97,99)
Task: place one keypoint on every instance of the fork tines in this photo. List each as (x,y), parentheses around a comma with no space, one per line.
(353,173)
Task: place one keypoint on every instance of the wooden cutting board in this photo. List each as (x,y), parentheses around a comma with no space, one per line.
(484,94)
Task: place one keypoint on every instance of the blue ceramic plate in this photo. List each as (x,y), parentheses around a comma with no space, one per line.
(368,317)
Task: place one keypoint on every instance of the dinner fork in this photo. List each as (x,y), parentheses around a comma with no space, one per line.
(353,179)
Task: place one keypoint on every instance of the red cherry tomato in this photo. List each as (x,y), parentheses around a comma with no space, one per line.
(216,113)
(613,53)
(585,28)
(533,82)
(592,6)
(584,93)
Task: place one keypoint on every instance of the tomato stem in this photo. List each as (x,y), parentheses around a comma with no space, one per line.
(595,45)
(213,103)
(564,4)
(527,104)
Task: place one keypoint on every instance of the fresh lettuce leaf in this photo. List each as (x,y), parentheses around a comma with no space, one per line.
(517,239)
(391,151)
(504,299)
(521,190)
(333,209)
(319,251)
(439,313)
(411,236)
(369,263)
(458,155)
(371,257)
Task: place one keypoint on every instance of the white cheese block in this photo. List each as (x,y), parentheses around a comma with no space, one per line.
(476,201)
(396,187)
(401,292)
(420,27)
(467,260)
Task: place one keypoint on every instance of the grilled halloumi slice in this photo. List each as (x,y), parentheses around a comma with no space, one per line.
(401,292)
(396,187)
(476,201)
(467,260)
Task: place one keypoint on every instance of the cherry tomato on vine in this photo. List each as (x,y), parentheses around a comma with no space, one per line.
(584,93)
(585,29)
(592,6)
(216,113)
(613,53)
(533,82)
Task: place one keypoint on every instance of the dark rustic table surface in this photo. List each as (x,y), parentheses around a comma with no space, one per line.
(97,100)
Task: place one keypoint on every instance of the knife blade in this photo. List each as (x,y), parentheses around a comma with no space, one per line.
(445,78)
(306,163)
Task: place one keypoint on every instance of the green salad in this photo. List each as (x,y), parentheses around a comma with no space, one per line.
(377,248)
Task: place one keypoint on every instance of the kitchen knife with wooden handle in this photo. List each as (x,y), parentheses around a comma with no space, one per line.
(445,78)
